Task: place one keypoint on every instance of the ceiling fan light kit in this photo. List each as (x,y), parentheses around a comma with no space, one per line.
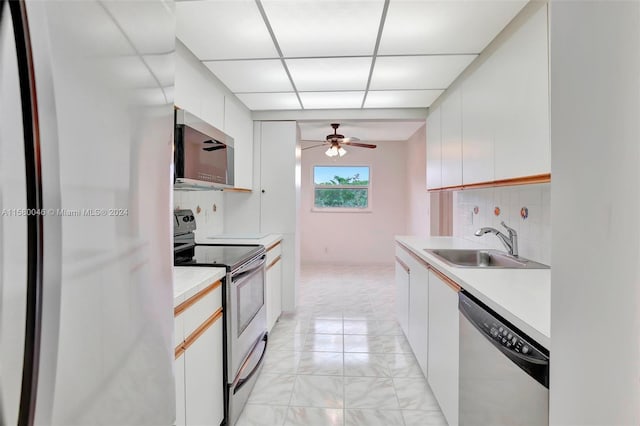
(335,150)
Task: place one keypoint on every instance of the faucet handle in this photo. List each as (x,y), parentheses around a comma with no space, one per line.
(509,229)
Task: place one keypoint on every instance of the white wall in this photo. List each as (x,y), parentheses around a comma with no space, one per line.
(356,238)
(595,142)
(417,196)
(534,232)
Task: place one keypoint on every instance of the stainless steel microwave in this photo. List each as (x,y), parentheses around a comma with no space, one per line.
(203,155)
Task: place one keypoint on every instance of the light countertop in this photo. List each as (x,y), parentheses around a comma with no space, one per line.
(522,296)
(189,280)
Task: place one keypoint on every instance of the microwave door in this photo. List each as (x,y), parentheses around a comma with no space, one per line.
(205,159)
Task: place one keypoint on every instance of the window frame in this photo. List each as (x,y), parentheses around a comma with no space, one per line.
(368,187)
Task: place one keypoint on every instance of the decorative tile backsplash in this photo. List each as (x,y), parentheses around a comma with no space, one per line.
(207,207)
(527,209)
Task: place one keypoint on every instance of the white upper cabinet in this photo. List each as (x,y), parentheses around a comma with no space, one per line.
(494,124)
(434,150)
(238,125)
(195,90)
(478,120)
(451,135)
(521,145)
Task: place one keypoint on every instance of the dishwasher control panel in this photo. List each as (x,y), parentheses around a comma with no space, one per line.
(500,332)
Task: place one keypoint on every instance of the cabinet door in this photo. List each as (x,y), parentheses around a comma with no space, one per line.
(273,295)
(434,150)
(419,312)
(276,271)
(203,378)
(277,177)
(522,145)
(402,295)
(443,346)
(451,135)
(478,121)
(238,124)
(180,392)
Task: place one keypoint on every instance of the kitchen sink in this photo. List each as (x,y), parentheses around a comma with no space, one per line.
(465,258)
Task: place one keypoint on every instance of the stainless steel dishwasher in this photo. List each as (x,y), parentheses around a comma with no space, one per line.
(504,374)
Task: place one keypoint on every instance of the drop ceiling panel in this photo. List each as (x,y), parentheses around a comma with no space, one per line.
(331,100)
(307,28)
(435,27)
(401,98)
(224,30)
(418,72)
(252,76)
(330,73)
(269,101)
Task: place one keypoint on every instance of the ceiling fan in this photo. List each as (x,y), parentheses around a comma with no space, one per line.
(335,142)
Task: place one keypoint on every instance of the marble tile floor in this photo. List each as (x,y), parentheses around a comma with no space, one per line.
(341,358)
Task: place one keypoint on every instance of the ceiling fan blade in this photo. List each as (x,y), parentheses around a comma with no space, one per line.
(214,148)
(313,140)
(314,146)
(350,139)
(361,145)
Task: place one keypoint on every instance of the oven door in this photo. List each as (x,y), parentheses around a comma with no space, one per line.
(247,319)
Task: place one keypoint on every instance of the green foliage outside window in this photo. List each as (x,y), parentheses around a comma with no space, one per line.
(347,188)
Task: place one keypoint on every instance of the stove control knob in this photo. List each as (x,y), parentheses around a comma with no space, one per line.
(185,219)
(525,349)
(191,218)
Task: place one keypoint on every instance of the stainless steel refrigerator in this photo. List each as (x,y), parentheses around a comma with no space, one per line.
(86,298)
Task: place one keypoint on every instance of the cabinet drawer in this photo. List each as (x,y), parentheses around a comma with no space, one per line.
(195,310)
(273,251)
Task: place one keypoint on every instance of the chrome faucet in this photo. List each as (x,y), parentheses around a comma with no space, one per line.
(510,242)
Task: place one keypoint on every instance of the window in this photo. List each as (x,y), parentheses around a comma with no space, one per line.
(341,187)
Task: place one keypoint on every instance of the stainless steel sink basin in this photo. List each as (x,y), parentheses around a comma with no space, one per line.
(484,259)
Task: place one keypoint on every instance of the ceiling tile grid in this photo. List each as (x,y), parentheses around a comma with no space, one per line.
(337,54)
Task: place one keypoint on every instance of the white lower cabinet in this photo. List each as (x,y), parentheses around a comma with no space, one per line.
(274,292)
(203,378)
(180,393)
(273,284)
(402,295)
(443,346)
(412,303)
(427,310)
(419,312)
(199,363)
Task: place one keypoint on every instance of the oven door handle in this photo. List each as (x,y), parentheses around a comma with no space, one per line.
(240,381)
(250,268)
(183,246)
